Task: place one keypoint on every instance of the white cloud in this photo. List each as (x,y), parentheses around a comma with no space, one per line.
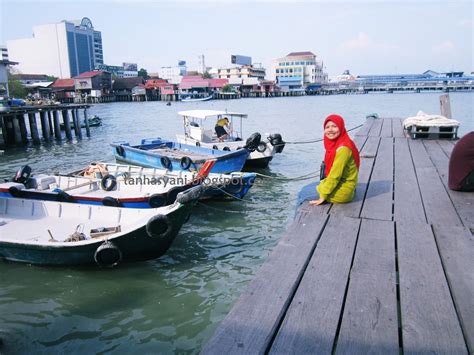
(361,41)
(465,23)
(444,47)
(364,41)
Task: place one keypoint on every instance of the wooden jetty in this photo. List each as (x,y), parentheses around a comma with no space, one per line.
(16,131)
(391,272)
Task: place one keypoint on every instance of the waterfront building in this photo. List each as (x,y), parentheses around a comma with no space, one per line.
(65,49)
(4,64)
(174,74)
(4,52)
(127,70)
(63,89)
(126,86)
(242,72)
(197,84)
(298,70)
(93,83)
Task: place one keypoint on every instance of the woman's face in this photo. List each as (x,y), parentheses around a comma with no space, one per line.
(331,131)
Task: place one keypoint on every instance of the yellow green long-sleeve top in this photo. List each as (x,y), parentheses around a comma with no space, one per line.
(339,186)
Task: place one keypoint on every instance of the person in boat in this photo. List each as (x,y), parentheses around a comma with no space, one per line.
(220,128)
(461,165)
(340,166)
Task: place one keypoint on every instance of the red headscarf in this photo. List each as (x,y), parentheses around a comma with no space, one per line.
(331,145)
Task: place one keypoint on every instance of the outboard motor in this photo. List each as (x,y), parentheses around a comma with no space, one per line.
(22,175)
(253,141)
(276,140)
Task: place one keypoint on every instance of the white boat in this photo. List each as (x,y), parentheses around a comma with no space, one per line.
(199,130)
(56,233)
(195,98)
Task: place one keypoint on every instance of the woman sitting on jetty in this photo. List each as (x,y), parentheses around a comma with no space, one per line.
(341,164)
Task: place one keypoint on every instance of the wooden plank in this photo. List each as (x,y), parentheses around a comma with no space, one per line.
(370,321)
(378,201)
(456,246)
(253,320)
(367,158)
(364,130)
(408,206)
(397,128)
(462,201)
(311,322)
(445,106)
(447,146)
(429,320)
(438,206)
(376,128)
(386,130)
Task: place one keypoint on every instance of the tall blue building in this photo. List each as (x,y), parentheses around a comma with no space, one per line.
(63,49)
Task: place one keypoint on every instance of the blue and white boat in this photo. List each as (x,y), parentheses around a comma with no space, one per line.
(173,156)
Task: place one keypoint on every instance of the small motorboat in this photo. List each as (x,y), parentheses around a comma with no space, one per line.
(216,186)
(96,185)
(94,121)
(199,129)
(195,97)
(56,233)
(160,153)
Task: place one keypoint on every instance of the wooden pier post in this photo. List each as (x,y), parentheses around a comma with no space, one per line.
(8,124)
(57,126)
(4,130)
(445,106)
(23,131)
(86,120)
(50,122)
(77,123)
(16,130)
(45,125)
(34,128)
(67,124)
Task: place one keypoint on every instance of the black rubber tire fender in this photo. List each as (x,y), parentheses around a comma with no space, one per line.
(227,149)
(65,197)
(261,147)
(111,202)
(108,182)
(107,255)
(165,163)
(157,200)
(120,150)
(185,163)
(159,226)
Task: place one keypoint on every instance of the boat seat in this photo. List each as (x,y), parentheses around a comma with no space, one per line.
(43,182)
(207,135)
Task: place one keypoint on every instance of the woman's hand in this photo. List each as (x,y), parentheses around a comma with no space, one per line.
(317,202)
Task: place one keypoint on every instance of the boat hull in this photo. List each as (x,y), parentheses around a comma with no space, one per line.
(148,155)
(135,245)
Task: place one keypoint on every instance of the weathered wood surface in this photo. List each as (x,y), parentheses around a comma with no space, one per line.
(408,206)
(463,202)
(429,320)
(378,201)
(370,321)
(252,322)
(456,246)
(311,321)
(331,287)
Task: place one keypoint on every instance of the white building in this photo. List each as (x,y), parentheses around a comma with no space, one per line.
(242,72)
(174,74)
(63,49)
(300,68)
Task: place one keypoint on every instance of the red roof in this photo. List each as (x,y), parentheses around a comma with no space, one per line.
(218,83)
(88,74)
(155,83)
(63,83)
(297,54)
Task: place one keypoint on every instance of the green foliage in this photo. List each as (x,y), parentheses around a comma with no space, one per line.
(206,75)
(16,89)
(143,73)
(227,88)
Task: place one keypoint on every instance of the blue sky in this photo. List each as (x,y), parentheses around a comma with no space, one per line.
(367,37)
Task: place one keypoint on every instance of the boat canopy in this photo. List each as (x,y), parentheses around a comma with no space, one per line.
(203,114)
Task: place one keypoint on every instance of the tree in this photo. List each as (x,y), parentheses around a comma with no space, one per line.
(143,73)
(15,87)
(227,88)
(206,75)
